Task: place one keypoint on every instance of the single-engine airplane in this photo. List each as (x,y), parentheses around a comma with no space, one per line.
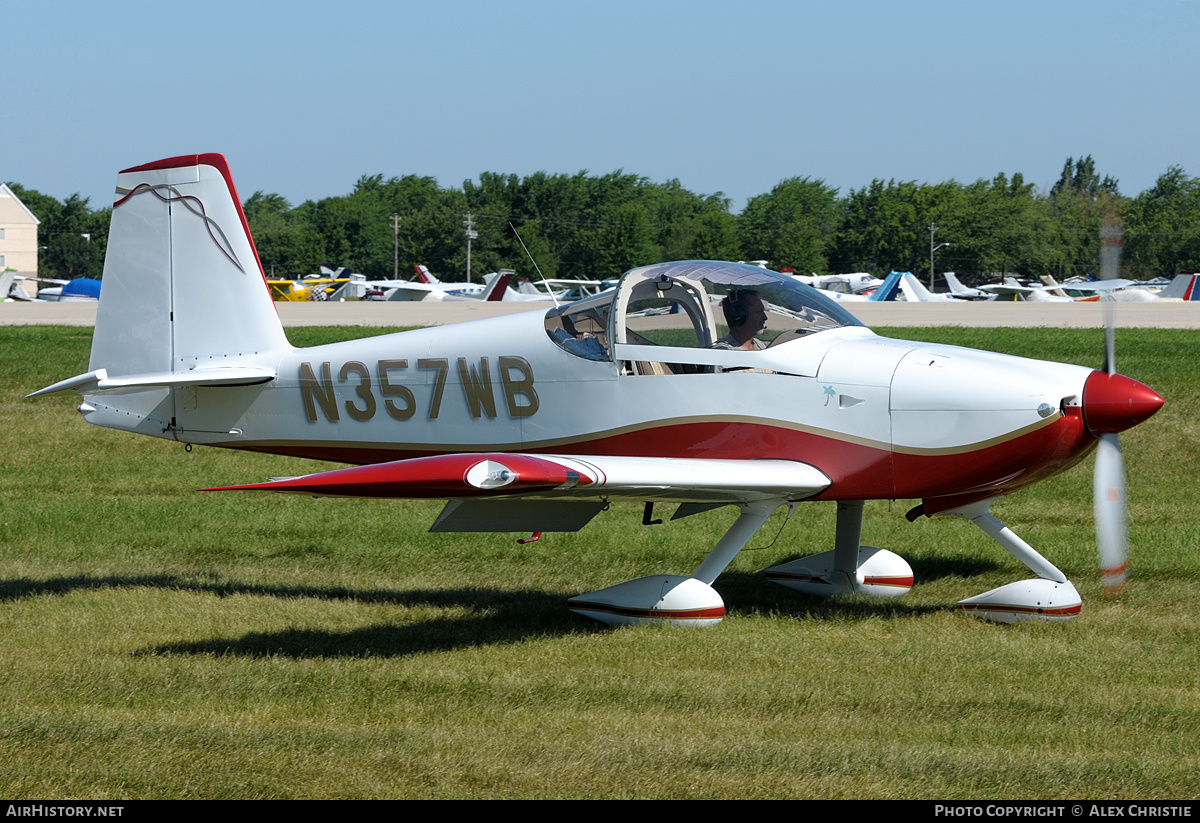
(914,292)
(964,292)
(535,421)
(330,284)
(428,288)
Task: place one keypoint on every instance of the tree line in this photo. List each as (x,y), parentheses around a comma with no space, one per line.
(598,226)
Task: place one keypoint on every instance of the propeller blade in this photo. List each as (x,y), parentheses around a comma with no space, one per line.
(1111,238)
(1112,531)
(1108,485)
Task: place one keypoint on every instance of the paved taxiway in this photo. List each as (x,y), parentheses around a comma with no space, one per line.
(980,315)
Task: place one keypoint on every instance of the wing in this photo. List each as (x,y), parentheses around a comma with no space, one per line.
(405,290)
(1007,289)
(527,492)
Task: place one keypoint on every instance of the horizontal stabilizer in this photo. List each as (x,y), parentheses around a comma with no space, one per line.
(99,380)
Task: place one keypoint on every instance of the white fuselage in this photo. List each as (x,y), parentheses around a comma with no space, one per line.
(882,418)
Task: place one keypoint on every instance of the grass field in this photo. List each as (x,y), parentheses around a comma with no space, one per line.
(159,642)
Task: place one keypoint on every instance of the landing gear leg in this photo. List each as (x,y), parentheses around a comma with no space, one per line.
(673,598)
(850,568)
(752,517)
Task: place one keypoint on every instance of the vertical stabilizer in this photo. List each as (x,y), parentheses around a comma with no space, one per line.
(183,287)
(425,275)
(1052,286)
(496,285)
(1182,287)
(914,290)
(886,292)
(1190,291)
(956,287)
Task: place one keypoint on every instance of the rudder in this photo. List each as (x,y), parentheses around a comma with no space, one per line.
(183,286)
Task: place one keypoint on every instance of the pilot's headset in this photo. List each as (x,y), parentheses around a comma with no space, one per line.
(734,306)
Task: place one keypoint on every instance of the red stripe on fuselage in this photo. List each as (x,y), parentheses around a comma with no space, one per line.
(1000,467)
(858,471)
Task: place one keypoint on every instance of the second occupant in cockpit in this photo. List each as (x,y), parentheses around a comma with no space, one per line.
(747,317)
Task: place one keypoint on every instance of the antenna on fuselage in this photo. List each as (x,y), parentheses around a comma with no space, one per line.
(549,290)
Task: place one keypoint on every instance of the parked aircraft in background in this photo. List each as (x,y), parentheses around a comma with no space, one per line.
(79,290)
(1119,291)
(8,285)
(1083,289)
(887,292)
(1185,286)
(914,292)
(548,290)
(425,276)
(13,288)
(536,421)
(964,292)
(329,285)
(563,291)
(1011,289)
(854,283)
(428,288)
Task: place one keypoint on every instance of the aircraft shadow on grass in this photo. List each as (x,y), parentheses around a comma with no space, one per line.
(745,593)
(493,616)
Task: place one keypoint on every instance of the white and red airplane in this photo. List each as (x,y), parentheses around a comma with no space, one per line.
(535,421)
(546,290)
(430,289)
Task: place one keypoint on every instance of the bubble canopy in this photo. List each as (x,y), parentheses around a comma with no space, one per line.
(679,305)
(777,290)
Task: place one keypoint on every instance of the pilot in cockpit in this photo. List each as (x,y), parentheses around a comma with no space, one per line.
(746,316)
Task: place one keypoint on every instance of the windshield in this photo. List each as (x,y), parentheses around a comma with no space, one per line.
(681,305)
(796,305)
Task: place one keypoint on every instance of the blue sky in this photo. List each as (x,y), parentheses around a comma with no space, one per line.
(304,98)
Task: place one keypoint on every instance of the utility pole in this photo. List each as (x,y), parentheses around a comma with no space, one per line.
(395,247)
(471,235)
(932,250)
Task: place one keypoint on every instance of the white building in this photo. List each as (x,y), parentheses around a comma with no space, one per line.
(18,235)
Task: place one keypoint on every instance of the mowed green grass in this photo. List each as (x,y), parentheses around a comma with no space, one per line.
(160,642)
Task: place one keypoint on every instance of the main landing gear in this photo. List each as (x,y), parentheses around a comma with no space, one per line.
(672,598)
(849,568)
